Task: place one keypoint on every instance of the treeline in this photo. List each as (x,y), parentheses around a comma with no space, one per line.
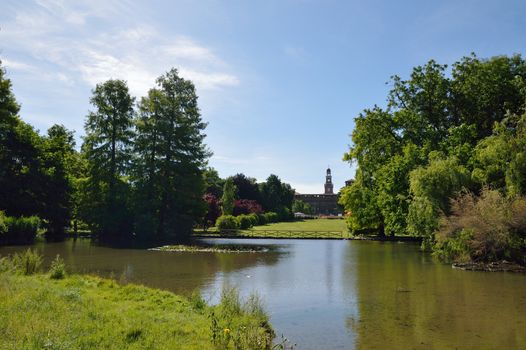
(138,175)
(447,136)
(241,202)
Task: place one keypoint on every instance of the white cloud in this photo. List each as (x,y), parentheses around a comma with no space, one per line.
(17,65)
(58,33)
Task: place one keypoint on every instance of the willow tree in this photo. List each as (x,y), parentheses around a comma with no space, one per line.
(170,160)
(107,146)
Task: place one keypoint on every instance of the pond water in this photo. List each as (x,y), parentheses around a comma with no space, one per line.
(331,294)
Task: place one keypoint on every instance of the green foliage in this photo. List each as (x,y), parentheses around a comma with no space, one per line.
(247,187)
(262,219)
(213,183)
(360,203)
(500,159)
(432,188)
(197,301)
(170,156)
(254,219)
(57,270)
(276,194)
(22,230)
(28,262)
(271,217)
(244,222)
(301,207)
(59,160)
(455,248)
(439,133)
(107,147)
(229,196)
(227,222)
(486,228)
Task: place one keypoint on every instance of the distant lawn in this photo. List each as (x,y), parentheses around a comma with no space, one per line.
(288,229)
(306,225)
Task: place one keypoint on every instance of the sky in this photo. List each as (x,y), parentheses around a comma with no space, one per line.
(279,81)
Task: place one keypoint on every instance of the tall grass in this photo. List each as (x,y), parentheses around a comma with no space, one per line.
(240,324)
(28,262)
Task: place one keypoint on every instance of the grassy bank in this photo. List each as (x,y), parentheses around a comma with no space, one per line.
(311,228)
(86,312)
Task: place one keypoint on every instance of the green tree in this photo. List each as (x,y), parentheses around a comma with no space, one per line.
(229,197)
(276,195)
(247,187)
(58,156)
(432,188)
(301,207)
(170,159)
(213,183)
(107,146)
(21,178)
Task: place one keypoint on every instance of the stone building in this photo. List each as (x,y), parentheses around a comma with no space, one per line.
(322,204)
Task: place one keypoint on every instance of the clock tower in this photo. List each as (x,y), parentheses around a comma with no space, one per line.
(328,182)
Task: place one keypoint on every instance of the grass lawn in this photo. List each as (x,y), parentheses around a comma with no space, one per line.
(306,225)
(336,225)
(85,312)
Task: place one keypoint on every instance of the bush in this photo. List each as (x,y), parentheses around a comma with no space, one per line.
(244,222)
(22,230)
(28,262)
(284,214)
(262,219)
(227,222)
(57,271)
(486,228)
(271,217)
(254,219)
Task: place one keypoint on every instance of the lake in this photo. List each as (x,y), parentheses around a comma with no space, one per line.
(333,294)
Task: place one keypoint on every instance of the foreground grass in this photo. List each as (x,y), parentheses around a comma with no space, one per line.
(86,312)
(311,228)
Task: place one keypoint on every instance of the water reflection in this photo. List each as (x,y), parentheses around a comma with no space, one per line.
(410,302)
(175,271)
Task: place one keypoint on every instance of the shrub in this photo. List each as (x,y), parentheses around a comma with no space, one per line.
(227,222)
(254,219)
(247,206)
(28,262)
(284,214)
(22,230)
(57,270)
(487,228)
(262,219)
(271,217)
(244,222)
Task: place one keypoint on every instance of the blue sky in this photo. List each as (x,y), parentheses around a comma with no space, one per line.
(279,81)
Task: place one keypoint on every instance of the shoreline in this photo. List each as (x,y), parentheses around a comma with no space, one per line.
(496,266)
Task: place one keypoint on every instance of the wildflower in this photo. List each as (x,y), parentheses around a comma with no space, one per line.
(226,330)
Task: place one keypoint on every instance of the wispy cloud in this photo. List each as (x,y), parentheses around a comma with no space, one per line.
(58,33)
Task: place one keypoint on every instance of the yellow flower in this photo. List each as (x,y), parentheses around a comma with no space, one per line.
(226,330)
